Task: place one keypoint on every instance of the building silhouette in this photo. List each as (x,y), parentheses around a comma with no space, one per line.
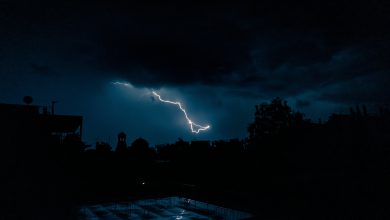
(39,155)
(33,123)
(121,146)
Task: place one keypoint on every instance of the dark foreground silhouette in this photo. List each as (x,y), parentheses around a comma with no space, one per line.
(288,168)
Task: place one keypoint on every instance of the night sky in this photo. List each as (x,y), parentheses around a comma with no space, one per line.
(218,59)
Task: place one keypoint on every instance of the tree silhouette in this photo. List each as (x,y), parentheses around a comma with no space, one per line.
(270,119)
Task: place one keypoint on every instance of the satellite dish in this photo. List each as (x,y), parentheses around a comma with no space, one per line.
(28,100)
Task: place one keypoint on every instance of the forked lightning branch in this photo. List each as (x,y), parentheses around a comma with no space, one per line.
(195,128)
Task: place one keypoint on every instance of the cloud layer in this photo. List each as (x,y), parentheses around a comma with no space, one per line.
(224,57)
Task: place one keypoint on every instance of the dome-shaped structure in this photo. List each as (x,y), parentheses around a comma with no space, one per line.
(140,143)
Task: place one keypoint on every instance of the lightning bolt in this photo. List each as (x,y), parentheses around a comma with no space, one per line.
(198,128)
(195,128)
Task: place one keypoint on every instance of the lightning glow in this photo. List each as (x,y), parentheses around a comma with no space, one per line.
(123,84)
(195,128)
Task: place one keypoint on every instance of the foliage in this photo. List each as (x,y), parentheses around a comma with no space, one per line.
(270,119)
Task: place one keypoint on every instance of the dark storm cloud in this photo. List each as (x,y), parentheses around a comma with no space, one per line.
(177,46)
(302,103)
(343,66)
(369,89)
(180,43)
(275,48)
(334,51)
(41,70)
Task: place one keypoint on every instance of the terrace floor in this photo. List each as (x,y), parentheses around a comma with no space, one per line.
(165,208)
